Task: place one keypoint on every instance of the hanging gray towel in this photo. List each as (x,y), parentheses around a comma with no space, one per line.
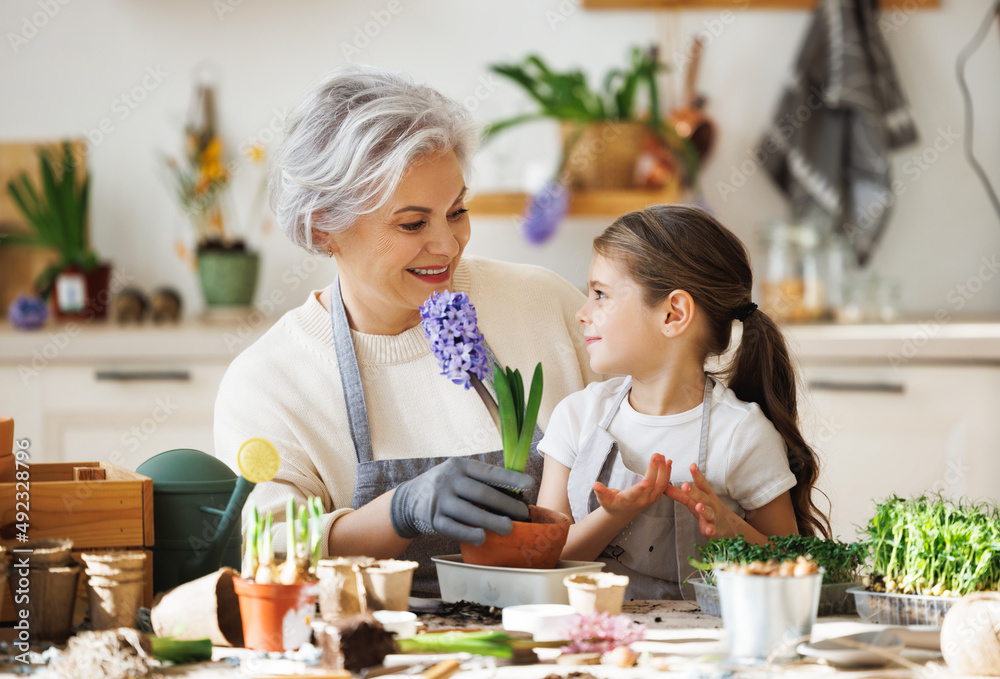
(828,147)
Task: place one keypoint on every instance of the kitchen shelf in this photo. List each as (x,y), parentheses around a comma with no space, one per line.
(581,203)
(737,4)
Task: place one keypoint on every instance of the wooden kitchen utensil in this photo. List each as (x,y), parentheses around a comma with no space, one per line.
(690,120)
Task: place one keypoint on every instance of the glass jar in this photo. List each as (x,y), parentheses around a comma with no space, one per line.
(792,288)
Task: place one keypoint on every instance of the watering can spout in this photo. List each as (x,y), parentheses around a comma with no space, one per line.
(210,559)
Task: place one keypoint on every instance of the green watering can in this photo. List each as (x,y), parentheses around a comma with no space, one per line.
(197,505)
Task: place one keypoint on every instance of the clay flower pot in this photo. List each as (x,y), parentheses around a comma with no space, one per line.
(276,618)
(537,544)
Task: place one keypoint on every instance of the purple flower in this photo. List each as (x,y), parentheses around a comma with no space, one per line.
(600,633)
(449,323)
(544,212)
(27,312)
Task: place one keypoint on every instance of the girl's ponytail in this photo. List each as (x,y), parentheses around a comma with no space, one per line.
(681,247)
(762,372)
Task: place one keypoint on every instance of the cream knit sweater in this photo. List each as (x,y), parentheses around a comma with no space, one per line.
(286,386)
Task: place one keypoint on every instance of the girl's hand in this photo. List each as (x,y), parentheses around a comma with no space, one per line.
(634,499)
(714,518)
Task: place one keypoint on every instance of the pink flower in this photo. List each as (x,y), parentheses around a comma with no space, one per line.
(600,633)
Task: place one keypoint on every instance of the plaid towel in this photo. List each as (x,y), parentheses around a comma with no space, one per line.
(836,123)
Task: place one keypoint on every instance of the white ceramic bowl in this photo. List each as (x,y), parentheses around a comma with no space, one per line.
(402,623)
(545,622)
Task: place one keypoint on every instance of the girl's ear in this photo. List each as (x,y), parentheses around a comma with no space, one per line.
(679,311)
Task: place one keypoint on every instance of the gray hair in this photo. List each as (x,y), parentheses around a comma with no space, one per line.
(350,141)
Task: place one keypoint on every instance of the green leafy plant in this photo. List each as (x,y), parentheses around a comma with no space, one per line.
(841,561)
(56,211)
(932,546)
(567,96)
(517,417)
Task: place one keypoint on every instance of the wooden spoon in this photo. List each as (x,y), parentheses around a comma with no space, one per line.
(690,120)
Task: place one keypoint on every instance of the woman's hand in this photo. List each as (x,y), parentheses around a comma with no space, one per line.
(459,498)
(715,520)
(634,499)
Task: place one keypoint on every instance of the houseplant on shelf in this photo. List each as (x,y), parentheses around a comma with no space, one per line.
(55,209)
(450,325)
(608,140)
(227,267)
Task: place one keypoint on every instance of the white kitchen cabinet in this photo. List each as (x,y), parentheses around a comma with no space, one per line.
(883,426)
(116,394)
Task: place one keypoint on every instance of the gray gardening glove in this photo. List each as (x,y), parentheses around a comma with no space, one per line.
(444,500)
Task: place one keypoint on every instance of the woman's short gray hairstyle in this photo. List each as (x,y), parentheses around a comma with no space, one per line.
(350,141)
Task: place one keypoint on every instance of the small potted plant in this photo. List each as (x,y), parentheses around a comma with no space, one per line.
(55,208)
(608,141)
(450,325)
(227,267)
(277,603)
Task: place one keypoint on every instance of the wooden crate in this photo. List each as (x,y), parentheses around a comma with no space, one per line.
(97,514)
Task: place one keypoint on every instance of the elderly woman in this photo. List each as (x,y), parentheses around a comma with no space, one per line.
(374,172)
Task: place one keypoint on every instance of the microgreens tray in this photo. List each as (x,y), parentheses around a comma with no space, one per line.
(834,599)
(901,609)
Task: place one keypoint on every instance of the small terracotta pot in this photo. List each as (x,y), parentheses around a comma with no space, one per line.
(276,618)
(537,544)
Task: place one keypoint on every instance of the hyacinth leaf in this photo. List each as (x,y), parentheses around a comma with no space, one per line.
(315,530)
(266,548)
(301,529)
(530,417)
(514,380)
(508,418)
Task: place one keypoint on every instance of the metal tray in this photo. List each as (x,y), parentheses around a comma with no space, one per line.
(494,586)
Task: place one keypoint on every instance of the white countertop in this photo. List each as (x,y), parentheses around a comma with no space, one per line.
(195,338)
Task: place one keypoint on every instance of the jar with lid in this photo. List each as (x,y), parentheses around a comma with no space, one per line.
(792,289)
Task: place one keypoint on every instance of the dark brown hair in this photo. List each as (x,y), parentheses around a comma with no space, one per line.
(681,247)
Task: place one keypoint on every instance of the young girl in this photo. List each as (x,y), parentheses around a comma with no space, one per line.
(665,286)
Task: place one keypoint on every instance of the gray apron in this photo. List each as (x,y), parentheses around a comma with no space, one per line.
(642,551)
(377,477)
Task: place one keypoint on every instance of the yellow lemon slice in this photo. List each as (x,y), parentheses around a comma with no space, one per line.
(258,460)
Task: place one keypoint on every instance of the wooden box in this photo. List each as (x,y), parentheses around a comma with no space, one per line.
(114,512)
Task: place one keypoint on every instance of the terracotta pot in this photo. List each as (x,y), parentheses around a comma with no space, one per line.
(537,544)
(276,618)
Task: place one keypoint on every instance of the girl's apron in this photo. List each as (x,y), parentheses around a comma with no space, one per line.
(376,477)
(653,549)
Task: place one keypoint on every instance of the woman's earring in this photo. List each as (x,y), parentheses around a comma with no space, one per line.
(329,251)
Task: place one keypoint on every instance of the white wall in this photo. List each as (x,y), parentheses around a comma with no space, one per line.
(71,72)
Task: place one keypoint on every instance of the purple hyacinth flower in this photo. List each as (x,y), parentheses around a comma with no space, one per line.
(544,212)
(28,312)
(449,323)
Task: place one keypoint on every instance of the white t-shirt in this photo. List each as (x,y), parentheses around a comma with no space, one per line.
(746,463)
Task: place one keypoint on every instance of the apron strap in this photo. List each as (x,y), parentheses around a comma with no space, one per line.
(350,376)
(686,531)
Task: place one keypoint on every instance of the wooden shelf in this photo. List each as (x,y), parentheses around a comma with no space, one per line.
(736,4)
(581,203)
